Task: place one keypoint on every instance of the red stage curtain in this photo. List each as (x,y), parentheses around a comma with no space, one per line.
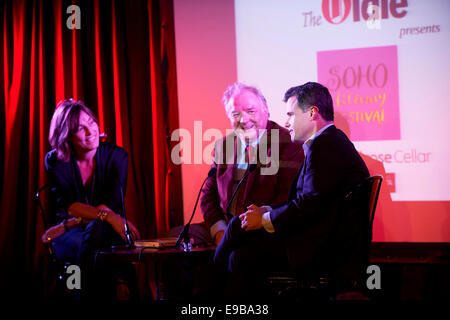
(121,63)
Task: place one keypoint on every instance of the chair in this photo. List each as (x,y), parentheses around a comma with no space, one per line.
(372,186)
(289,285)
(59,267)
(375,182)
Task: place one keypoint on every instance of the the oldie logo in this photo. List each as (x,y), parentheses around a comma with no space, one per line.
(364,86)
(336,11)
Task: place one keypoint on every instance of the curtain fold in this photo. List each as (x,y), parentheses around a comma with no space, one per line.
(122,67)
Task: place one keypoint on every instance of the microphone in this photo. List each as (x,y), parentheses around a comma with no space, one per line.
(184,233)
(250,168)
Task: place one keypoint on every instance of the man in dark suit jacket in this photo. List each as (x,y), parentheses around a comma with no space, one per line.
(318,230)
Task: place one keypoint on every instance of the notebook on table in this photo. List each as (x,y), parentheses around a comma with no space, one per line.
(156,243)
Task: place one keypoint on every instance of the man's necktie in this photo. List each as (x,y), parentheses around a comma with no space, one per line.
(250,154)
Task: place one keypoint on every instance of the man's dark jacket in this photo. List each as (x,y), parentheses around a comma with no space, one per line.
(324,232)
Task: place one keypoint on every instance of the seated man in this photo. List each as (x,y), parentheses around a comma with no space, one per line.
(310,232)
(256,141)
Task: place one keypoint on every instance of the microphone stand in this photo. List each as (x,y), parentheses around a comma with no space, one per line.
(129,239)
(184,235)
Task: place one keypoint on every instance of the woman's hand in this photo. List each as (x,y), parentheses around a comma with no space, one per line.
(53,233)
(118,224)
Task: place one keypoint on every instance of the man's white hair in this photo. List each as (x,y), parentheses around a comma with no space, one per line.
(235,88)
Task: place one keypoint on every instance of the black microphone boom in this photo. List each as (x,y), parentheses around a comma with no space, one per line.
(128,237)
(184,233)
(251,168)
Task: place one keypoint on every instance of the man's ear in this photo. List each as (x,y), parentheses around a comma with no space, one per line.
(313,112)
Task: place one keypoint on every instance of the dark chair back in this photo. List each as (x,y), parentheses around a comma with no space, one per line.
(375,182)
(362,198)
(42,210)
(45,211)
(366,193)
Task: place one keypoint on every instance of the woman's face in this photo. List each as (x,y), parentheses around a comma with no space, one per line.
(86,137)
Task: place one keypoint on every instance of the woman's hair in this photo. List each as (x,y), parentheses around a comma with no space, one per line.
(64,124)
